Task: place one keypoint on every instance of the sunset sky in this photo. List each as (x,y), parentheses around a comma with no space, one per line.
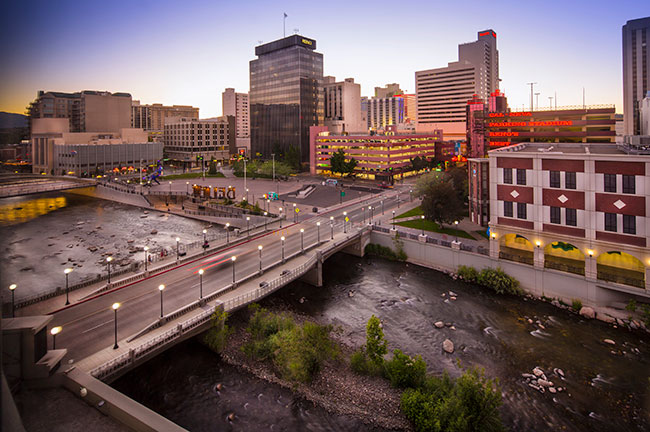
(187,52)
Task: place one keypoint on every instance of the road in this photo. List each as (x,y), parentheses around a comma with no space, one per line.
(89,326)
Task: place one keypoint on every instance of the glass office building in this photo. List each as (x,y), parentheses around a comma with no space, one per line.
(285,95)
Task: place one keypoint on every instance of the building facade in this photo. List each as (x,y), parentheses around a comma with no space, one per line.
(342,106)
(384,112)
(237,105)
(86,111)
(190,141)
(479,190)
(636,71)
(581,208)
(644,106)
(152,117)
(285,95)
(389,90)
(442,93)
(57,151)
(380,157)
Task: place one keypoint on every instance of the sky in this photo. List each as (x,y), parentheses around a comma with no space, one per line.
(187,52)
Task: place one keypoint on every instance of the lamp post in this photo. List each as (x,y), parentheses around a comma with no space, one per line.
(422,219)
(268,205)
(12,288)
(67,272)
(204,233)
(108,263)
(282,238)
(280,217)
(245,179)
(200,284)
(161,288)
(345,222)
(302,243)
(178,255)
(398,201)
(411,194)
(295,213)
(233,259)
(246,194)
(393,219)
(55,331)
(265,220)
(187,188)
(363,212)
(318,228)
(248,226)
(116,306)
(227,232)
(382,207)
(146,248)
(456,225)
(331,227)
(170,189)
(259,248)
(370,209)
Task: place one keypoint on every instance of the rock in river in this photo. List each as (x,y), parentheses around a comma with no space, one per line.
(587,312)
(439,324)
(448,346)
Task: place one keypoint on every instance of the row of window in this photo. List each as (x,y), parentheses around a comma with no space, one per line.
(569,179)
(570,216)
(629,181)
(629,223)
(508,209)
(521,176)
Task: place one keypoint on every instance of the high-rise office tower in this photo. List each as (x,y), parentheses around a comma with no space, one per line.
(442,93)
(636,71)
(342,106)
(236,105)
(285,95)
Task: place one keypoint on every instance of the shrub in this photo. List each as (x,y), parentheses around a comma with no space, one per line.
(404,371)
(359,361)
(375,342)
(385,252)
(217,336)
(468,274)
(576,304)
(469,403)
(499,281)
(631,306)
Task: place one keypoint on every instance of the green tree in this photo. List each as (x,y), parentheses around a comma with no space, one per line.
(339,165)
(458,178)
(212,168)
(292,157)
(375,342)
(440,201)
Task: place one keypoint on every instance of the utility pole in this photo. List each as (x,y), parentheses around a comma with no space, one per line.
(584,106)
(284,25)
(531,84)
(550,102)
(536,101)
(555,100)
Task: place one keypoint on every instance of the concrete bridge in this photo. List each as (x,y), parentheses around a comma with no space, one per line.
(27,184)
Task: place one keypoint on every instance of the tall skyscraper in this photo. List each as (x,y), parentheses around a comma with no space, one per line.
(442,93)
(236,105)
(285,95)
(636,71)
(342,106)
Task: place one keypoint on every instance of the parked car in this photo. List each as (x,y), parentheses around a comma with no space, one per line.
(331,182)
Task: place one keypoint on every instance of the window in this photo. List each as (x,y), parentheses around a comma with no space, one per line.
(555,215)
(570,180)
(610,222)
(555,179)
(507,208)
(521,210)
(521,176)
(629,184)
(610,183)
(629,224)
(507,175)
(571,217)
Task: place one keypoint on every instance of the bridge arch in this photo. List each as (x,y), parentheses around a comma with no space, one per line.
(621,267)
(564,257)
(515,247)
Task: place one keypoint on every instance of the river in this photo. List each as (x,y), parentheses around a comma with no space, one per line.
(606,386)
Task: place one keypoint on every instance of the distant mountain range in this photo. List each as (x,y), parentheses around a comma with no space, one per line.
(12,120)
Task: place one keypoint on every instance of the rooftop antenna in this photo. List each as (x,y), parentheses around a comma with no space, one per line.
(531,84)
(555,99)
(550,102)
(284,25)
(260,42)
(295,31)
(583,99)
(537,101)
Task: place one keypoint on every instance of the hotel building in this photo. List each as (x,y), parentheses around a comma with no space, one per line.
(636,71)
(342,106)
(236,105)
(187,138)
(579,208)
(152,117)
(379,157)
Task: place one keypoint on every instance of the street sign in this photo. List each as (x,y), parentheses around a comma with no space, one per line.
(347,219)
(297,210)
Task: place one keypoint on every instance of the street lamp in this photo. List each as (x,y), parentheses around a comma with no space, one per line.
(398,201)
(146,248)
(108,263)
(67,272)
(170,189)
(302,234)
(248,226)
(200,283)
(382,207)
(411,194)
(116,306)
(456,225)
(187,188)
(331,227)
(280,217)
(295,213)
(55,331)
(345,224)
(259,248)
(233,259)
(282,238)
(318,227)
(393,219)
(422,219)
(227,232)
(268,205)
(161,288)
(12,288)
(246,195)
(363,212)
(265,220)
(371,213)
(178,256)
(204,233)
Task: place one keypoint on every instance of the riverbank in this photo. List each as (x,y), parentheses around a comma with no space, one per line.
(335,387)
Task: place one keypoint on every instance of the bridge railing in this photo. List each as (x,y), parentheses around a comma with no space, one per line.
(463,246)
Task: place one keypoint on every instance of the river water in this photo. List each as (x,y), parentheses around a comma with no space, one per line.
(606,386)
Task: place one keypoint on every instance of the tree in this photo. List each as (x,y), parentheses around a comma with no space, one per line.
(292,157)
(458,178)
(375,342)
(212,168)
(339,165)
(440,201)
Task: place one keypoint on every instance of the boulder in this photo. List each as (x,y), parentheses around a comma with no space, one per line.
(587,312)
(552,389)
(448,346)
(544,383)
(609,341)
(453,294)
(439,324)
(559,372)
(538,372)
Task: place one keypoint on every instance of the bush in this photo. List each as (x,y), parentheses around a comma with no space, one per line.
(385,252)
(576,305)
(404,371)
(469,403)
(499,281)
(375,342)
(217,336)
(468,274)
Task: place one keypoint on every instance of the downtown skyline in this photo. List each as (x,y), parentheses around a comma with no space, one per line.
(164,53)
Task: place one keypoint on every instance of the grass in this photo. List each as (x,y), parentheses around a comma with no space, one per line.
(191,176)
(434,227)
(417,211)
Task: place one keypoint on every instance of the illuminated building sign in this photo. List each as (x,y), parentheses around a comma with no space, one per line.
(504,134)
(532,123)
(499,143)
(307,42)
(512,114)
(486,33)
